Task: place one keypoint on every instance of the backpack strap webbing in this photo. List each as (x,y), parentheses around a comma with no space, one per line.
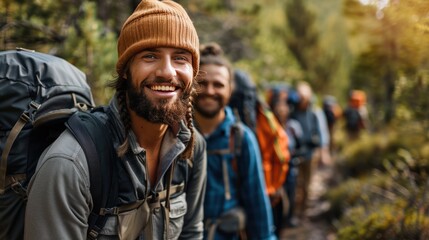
(93,135)
(237,133)
(234,148)
(25,117)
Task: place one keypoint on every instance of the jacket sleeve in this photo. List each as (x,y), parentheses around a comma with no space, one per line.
(253,191)
(193,223)
(59,199)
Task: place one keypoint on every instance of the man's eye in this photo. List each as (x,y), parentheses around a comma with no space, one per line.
(181,58)
(149,56)
(203,83)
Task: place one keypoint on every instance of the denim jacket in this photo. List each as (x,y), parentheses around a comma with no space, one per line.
(246,182)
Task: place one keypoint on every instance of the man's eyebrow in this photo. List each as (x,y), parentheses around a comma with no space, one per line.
(151,50)
(177,51)
(182,51)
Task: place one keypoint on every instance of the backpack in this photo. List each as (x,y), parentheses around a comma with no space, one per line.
(244,99)
(331,109)
(41,96)
(273,144)
(271,136)
(353,119)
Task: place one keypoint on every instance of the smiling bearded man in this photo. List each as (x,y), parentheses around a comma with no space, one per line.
(160,158)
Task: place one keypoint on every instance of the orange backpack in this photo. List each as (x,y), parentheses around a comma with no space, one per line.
(273,143)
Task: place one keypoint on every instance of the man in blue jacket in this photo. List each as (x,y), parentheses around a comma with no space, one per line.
(311,140)
(234,181)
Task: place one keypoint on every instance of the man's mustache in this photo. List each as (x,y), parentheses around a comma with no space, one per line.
(214,97)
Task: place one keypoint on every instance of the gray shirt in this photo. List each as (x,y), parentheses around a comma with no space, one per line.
(60,201)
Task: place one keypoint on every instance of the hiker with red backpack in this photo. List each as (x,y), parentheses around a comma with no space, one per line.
(236,204)
(356,114)
(159,169)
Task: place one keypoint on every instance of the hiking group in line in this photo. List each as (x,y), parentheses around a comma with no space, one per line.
(189,148)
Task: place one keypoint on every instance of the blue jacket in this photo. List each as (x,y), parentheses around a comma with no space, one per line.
(246,182)
(311,138)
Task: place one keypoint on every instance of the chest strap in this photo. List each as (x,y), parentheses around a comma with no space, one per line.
(152,201)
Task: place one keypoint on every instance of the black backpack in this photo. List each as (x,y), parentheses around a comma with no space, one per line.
(353,119)
(40,96)
(244,99)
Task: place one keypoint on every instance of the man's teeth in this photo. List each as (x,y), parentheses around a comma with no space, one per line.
(163,88)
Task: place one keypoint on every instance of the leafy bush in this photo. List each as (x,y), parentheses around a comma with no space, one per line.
(384,221)
(352,192)
(391,203)
(361,157)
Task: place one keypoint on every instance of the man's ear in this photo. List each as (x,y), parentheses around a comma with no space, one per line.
(233,85)
(126,71)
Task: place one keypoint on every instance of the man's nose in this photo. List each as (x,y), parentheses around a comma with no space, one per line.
(166,69)
(209,89)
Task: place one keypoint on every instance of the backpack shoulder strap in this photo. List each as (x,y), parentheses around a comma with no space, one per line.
(236,139)
(235,144)
(93,135)
(234,148)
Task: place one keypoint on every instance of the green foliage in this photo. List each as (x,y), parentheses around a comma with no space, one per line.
(394,48)
(361,157)
(381,220)
(389,199)
(92,47)
(232,29)
(366,225)
(78,36)
(351,193)
(411,93)
(302,39)
(37,24)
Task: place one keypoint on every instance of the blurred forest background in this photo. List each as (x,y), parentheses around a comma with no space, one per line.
(382,47)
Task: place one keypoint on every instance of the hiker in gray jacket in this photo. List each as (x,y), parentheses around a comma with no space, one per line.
(161,157)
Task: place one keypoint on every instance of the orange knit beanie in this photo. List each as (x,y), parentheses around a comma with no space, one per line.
(157,24)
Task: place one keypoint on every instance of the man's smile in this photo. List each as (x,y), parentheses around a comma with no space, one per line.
(163,88)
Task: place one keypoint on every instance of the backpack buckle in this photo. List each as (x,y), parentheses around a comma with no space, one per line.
(27,115)
(109,211)
(93,234)
(80,106)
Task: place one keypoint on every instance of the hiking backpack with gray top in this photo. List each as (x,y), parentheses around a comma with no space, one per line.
(38,93)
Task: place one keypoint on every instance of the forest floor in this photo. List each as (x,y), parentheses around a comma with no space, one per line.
(314,226)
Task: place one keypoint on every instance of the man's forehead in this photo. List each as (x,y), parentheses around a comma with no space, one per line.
(169,49)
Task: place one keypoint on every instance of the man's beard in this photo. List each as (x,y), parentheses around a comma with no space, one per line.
(208,113)
(160,111)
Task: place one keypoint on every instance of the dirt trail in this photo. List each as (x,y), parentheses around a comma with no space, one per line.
(314,226)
